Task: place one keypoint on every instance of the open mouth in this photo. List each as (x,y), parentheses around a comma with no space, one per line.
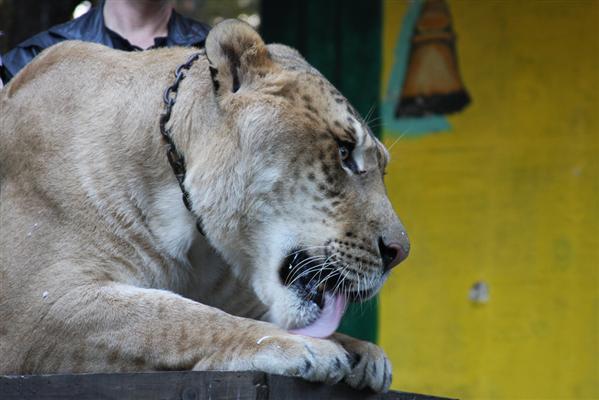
(309,277)
(317,281)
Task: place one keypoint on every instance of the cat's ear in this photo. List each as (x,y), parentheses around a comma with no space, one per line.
(237,55)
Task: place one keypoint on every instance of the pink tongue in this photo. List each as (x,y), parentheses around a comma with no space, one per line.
(329,319)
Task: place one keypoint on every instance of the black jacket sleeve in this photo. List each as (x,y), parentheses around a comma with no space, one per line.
(21,55)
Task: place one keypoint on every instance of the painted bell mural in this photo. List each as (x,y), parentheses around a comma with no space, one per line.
(432,84)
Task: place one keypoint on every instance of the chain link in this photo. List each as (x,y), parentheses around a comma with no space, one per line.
(175,158)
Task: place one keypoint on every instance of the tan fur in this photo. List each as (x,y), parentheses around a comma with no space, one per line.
(94,274)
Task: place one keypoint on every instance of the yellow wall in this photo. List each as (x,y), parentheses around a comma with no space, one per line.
(509,197)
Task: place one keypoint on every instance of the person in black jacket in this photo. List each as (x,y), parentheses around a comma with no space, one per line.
(130,25)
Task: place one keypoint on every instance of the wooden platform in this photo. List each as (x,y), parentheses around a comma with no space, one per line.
(181,386)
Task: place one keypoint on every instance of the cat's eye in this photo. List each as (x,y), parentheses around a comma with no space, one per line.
(346,155)
(345,150)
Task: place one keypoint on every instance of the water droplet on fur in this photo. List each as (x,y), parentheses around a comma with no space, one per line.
(45,295)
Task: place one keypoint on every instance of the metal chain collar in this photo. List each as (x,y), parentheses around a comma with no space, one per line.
(175,158)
